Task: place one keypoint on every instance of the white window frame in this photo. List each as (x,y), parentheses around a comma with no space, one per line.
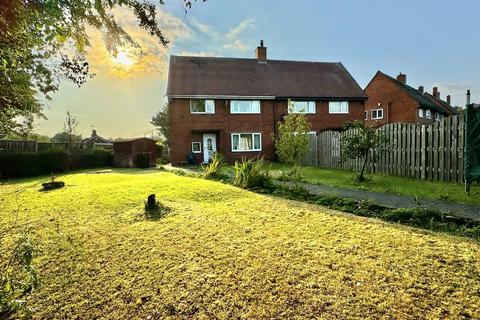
(330,105)
(200,147)
(421,113)
(206,110)
(253,141)
(428,114)
(376,112)
(365,116)
(309,104)
(251,107)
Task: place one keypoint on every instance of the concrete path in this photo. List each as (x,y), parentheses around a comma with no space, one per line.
(397,201)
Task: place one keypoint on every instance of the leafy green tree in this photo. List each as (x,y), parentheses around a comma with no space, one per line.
(42,41)
(64,137)
(292,141)
(30,136)
(161,121)
(358,145)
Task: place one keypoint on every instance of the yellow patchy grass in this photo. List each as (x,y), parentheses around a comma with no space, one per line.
(227,253)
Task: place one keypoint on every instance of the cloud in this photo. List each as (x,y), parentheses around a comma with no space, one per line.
(237,45)
(150,58)
(233,36)
(199,53)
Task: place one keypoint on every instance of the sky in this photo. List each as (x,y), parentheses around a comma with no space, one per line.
(434,42)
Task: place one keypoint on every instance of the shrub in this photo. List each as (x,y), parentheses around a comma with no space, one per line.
(252,173)
(18,164)
(53,160)
(417,216)
(96,158)
(212,169)
(142,160)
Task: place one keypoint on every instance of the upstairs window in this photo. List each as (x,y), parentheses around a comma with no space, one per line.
(338,107)
(429,114)
(377,114)
(246,142)
(245,106)
(202,106)
(301,107)
(421,113)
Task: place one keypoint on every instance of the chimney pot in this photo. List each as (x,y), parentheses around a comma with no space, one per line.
(402,78)
(435,92)
(448,99)
(261,53)
(420,89)
(468,96)
(94,133)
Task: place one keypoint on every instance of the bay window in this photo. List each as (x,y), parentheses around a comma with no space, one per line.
(301,107)
(338,107)
(246,142)
(202,106)
(245,106)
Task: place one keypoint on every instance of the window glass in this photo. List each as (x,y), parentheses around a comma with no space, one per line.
(196,147)
(377,114)
(246,142)
(302,107)
(245,106)
(429,114)
(202,106)
(338,107)
(421,113)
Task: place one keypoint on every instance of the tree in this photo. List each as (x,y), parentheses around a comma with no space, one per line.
(28,136)
(358,145)
(69,127)
(44,40)
(64,137)
(162,123)
(292,142)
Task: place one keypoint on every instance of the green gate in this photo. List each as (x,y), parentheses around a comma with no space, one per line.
(472,145)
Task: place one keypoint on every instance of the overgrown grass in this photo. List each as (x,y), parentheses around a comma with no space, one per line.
(223,252)
(389,184)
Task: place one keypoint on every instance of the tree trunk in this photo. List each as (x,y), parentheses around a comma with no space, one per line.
(361,178)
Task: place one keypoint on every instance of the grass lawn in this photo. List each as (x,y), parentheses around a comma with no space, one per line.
(389,184)
(223,252)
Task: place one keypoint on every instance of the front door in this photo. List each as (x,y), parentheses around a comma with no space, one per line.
(209,145)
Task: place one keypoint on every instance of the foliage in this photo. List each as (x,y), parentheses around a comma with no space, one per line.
(358,145)
(69,127)
(291,144)
(212,169)
(44,40)
(28,136)
(18,278)
(64,137)
(25,164)
(161,121)
(318,261)
(252,173)
(142,160)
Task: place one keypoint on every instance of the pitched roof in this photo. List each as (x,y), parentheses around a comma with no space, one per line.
(423,100)
(442,104)
(132,139)
(230,77)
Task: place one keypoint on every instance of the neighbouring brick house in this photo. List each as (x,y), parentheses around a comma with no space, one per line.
(392,100)
(233,105)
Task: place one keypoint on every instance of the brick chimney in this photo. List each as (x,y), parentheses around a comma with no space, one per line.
(94,133)
(448,100)
(261,53)
(435,93)
(402,78)
(420,89)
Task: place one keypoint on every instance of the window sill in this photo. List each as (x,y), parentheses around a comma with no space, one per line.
(246,150)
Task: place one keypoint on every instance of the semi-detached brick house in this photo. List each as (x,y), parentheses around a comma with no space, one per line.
(233,105)
(393,100)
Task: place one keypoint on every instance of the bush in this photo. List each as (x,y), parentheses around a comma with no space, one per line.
(212,170)
(252,174)
(417,216)
(26,164)
(92,158)
(142,160)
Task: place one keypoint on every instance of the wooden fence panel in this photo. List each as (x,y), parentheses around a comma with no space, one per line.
(429,152)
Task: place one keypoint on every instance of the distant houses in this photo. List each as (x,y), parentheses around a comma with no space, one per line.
(393,100)
(96,140)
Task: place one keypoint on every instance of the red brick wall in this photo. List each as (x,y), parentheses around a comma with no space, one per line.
(397,104)
(186,127)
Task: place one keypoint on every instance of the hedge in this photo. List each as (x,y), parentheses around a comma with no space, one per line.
(26,164)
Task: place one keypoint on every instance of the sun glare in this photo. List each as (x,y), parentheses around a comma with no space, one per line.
(123,58)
